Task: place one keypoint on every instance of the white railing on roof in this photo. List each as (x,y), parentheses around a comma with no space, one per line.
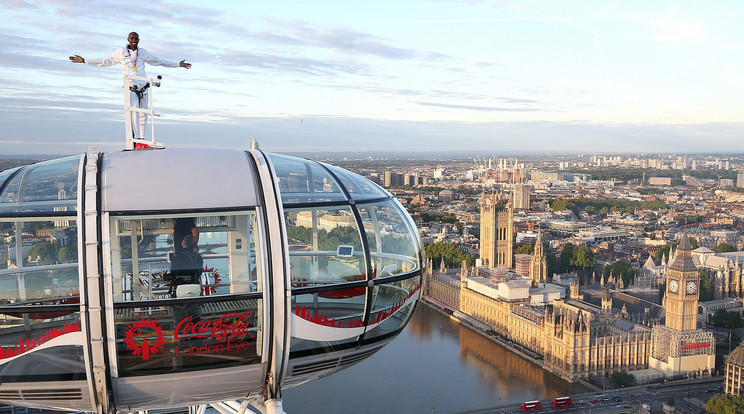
(145,115)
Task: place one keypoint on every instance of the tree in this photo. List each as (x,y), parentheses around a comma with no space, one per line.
(727,319)
(68,254)
(706,287)
(45,252)
(724,247)
(452,254)
(553,267)
(525,249)
(623,269)
(622,379)
(662,252)
(725,404)
(583,258)
(566,256)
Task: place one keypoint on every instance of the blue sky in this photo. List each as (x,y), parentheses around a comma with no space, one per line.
(496,76)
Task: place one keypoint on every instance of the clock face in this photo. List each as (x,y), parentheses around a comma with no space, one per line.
(673,286)
(691,287)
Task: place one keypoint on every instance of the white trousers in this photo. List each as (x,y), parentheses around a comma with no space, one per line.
(139,120)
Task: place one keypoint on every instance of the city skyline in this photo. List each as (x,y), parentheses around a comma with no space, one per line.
(502,77)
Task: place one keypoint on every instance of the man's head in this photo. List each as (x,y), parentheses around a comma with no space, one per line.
(189,242)
(133,40)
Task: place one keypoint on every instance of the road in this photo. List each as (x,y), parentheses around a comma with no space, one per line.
(689,397)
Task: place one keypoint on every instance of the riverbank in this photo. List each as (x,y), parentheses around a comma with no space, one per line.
(484,330)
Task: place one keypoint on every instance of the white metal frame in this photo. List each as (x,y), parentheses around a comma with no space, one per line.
(131,111)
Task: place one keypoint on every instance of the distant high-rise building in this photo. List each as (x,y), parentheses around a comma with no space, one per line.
(496,230)
(391,179)
(522,196)
(740,179)
(522,264)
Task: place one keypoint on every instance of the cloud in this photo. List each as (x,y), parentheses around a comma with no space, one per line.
(678,32)
(537,17)
(477,108)
(70,130)
(289,64)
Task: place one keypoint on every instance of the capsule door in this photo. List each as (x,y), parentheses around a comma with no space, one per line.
(187,307)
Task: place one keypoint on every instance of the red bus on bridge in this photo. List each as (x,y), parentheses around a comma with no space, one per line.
(531,405)
(562,402)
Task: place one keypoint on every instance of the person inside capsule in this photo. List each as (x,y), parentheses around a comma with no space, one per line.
(186,267)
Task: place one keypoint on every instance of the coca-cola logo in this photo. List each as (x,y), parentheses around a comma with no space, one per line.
(146,337)
(230,325)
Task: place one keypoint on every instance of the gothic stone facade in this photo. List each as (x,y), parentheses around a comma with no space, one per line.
(575,339)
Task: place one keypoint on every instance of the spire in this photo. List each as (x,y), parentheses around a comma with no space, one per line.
(684,244)
(442,266)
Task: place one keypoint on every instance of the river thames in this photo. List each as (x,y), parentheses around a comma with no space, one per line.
(434,366)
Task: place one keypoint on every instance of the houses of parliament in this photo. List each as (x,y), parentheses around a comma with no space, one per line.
(578,332)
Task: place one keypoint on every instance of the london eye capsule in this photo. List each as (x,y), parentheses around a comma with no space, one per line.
(135,280)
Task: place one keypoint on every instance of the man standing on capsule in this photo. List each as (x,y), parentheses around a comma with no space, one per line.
(132,60)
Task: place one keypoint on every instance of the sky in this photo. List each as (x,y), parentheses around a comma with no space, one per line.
(384,76)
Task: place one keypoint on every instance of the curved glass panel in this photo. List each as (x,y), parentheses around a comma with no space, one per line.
(53,180)
(21,357)
(10,193)
(49,242)
(57,286)
(325,246)
(301,181)
(5,174)
(359,188)
(38,259)
(42,188)
(392,243)
(317,318)
(39,301)
(392,306)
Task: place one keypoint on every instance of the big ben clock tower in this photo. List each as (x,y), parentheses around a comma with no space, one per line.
(678,346)
(682,290)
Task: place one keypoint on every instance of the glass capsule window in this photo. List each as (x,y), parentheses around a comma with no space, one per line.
(10,192)
(152,256)
(355,260)
(325,246)
(42,188)
(358,187)
(4,175)
(392,242)
(39,298)
(301,181)
(187,288)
